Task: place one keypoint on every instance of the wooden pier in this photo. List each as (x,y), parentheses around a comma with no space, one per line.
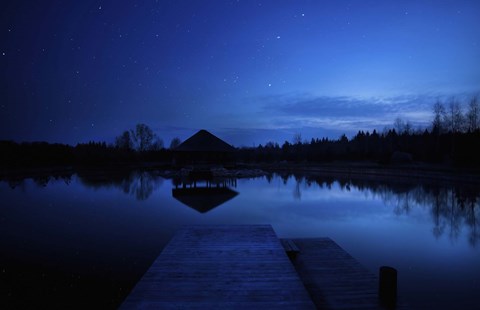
(334,279)
(221,267)
(238,267)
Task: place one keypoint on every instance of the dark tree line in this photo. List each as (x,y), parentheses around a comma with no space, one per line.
(134,146)
(43,154)
(453,138)
(389,147)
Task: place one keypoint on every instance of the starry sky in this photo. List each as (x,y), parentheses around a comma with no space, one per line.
(248,71)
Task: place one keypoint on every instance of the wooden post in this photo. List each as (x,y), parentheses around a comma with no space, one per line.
(387,288)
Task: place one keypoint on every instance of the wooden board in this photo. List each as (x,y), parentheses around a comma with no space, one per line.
(334,279)
(220,267)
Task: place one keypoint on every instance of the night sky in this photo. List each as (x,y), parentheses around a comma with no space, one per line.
(248,71)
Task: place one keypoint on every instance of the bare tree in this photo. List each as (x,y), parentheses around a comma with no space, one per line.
(402,127)
(454,116)
(297,138)
(175,142)
(157,144)
(473,114)
(438,116)
(143,137)
(399,125)
(124,141)
(408,128)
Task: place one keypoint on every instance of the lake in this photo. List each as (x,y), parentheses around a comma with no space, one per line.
(85,239)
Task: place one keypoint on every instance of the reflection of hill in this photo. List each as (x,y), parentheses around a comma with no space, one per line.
(453,206)
(203,199)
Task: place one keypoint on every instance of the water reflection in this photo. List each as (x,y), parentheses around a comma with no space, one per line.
(41,180)
(451,205)
(203,195)
(140,184)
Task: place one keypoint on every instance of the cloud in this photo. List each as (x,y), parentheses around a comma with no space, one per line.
(323,106)
(347,113)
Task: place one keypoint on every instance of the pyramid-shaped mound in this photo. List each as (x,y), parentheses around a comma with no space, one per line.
(204,141)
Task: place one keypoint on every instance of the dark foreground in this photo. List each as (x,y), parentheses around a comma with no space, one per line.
(90,237)
(246,266)
(221,267)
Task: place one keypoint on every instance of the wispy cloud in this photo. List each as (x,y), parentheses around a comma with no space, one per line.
(347,113)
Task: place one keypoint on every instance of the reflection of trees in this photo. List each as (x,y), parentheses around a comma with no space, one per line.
(14,183)
(452,206)
(439,201)
(41,180)
(140,184)
(472,220)
(297,193)
(269,178)
(448,207)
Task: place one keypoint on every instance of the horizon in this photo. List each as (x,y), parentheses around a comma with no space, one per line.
(249,72)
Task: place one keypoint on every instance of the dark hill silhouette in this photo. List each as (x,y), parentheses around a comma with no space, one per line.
(204,141)
(202,151)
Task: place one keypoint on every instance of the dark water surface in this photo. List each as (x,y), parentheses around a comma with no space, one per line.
(84,241)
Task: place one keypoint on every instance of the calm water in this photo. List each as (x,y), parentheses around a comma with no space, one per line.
(80,241)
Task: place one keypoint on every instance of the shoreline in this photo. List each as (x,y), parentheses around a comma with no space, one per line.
(412,172)
(373,170)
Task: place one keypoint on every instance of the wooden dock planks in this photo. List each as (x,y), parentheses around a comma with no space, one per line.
(220,267)
(334,279)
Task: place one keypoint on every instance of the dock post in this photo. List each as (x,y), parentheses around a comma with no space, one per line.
(387,288)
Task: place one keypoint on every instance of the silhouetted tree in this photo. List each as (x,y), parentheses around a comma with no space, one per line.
(297,138)
(175,142)
(454,117)
(473,114)
(143,137)
(124,141)
(399,125)
(157,144)
(438,117)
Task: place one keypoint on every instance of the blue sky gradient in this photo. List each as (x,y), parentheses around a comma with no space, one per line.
(249,71)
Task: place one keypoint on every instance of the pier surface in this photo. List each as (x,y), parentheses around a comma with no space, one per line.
(334,279)
(221,267)
(246,266)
